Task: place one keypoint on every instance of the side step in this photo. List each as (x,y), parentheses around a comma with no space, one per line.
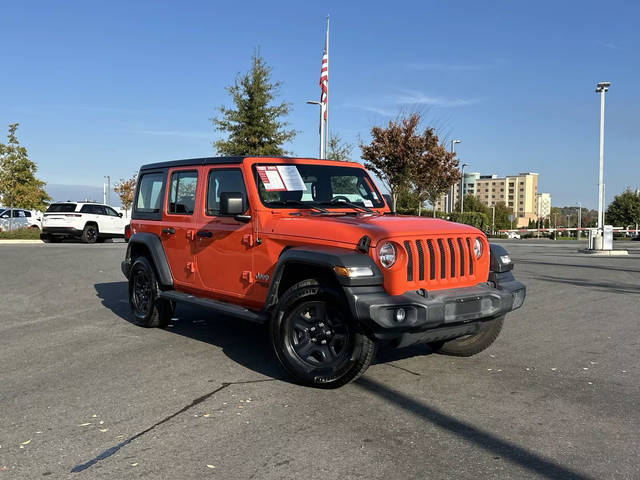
(221,307)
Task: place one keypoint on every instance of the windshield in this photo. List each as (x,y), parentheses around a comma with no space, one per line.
(313,186)
(62,207)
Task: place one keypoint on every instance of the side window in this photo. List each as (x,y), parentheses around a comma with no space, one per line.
(99,210)
(86,209)
(27,213)
(111,212)
(150,193)
(182,193)
(223,181)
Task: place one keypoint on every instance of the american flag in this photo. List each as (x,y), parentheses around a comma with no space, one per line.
(324,78)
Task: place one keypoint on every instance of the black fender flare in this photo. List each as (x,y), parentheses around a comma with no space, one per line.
(152,244)
(324,257)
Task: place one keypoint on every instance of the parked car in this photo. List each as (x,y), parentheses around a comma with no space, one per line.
(310,247)
(20,218)
(513,235)
(91,222)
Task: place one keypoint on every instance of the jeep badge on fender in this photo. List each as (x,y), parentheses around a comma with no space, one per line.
(311,248)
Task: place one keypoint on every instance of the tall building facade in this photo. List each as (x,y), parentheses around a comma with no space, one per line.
(544,205)
(519,192)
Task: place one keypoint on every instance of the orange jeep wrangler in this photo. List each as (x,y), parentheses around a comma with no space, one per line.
(310,247)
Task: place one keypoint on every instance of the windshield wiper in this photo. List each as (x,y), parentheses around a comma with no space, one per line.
(298,204)
(337,201)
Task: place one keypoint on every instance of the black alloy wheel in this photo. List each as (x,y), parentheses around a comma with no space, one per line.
(315,338)
(148,310)
(90,234)
(318,335)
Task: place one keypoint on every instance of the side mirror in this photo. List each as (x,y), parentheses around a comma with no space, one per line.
(231,204)
(120,214)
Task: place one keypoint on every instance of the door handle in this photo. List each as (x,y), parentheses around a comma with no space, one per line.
(169,231)
(204,233)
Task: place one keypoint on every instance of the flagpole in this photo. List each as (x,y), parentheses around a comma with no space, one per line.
(326,140)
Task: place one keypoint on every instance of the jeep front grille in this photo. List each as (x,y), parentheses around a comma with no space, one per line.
(436,259)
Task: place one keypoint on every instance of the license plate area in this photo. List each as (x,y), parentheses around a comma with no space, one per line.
(470,308)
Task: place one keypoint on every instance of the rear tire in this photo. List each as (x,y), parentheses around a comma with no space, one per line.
(90,234)
(316,340)
(471,344)
(148,310)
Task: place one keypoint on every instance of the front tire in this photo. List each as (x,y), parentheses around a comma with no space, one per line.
(471,344)
(148,310)
(316,340)
(90,234)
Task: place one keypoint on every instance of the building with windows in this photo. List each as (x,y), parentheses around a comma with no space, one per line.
(543,205)
(519,192)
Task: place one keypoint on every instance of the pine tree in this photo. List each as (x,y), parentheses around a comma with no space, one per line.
(254,126)
(19,187)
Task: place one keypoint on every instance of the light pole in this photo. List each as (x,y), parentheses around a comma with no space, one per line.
(107,198)
(462,188)
(601,88)
(579,220)
(451,191)
(322,146)
(493,219)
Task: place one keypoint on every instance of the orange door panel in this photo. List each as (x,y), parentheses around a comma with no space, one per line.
(179,225)
(224,245)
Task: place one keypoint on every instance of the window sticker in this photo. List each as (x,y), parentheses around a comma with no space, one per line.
(367,202)
(291,177)
(271,178)
(280,178)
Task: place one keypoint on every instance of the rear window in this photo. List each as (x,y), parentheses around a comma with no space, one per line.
(61,207)
(150,193)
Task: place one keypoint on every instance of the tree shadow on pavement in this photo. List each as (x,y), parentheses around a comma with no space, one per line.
(483,439)
(243,342)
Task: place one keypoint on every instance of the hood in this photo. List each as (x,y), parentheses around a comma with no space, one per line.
(349,229)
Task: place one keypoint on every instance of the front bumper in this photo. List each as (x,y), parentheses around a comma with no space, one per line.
(433,316)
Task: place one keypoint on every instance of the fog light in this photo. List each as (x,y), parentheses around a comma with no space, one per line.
(400,315)
(518,298)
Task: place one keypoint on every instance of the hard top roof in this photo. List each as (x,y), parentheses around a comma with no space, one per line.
(223,161)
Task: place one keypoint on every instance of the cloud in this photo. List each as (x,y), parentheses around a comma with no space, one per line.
(610,45)
(174,133)
(412,97)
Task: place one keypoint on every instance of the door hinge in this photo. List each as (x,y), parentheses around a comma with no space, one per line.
(248,239)
(247,276)
(191,267)
(191,234)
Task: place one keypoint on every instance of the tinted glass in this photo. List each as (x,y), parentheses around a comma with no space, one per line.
(111,212)
(27,213)
(62,207)
(150,193)
(223,181)
(324,184)
(182,193)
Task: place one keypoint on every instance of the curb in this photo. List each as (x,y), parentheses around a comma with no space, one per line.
(604,253)
(14,242)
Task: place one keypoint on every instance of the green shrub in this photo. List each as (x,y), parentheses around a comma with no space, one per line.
(21,234)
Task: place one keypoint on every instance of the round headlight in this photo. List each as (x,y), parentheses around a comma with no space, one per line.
(477,248)
(387,255)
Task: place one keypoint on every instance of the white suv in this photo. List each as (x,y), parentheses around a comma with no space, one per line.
(92,222)
(20,219)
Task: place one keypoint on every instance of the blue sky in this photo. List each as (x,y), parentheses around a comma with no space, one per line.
(101,87)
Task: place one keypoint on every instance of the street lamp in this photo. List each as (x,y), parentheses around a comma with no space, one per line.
(579,220)
(313,102)
(107,197)
(451,202)
(462,188)
(601,88)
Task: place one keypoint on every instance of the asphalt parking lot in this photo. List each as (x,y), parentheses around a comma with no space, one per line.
(84,393)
